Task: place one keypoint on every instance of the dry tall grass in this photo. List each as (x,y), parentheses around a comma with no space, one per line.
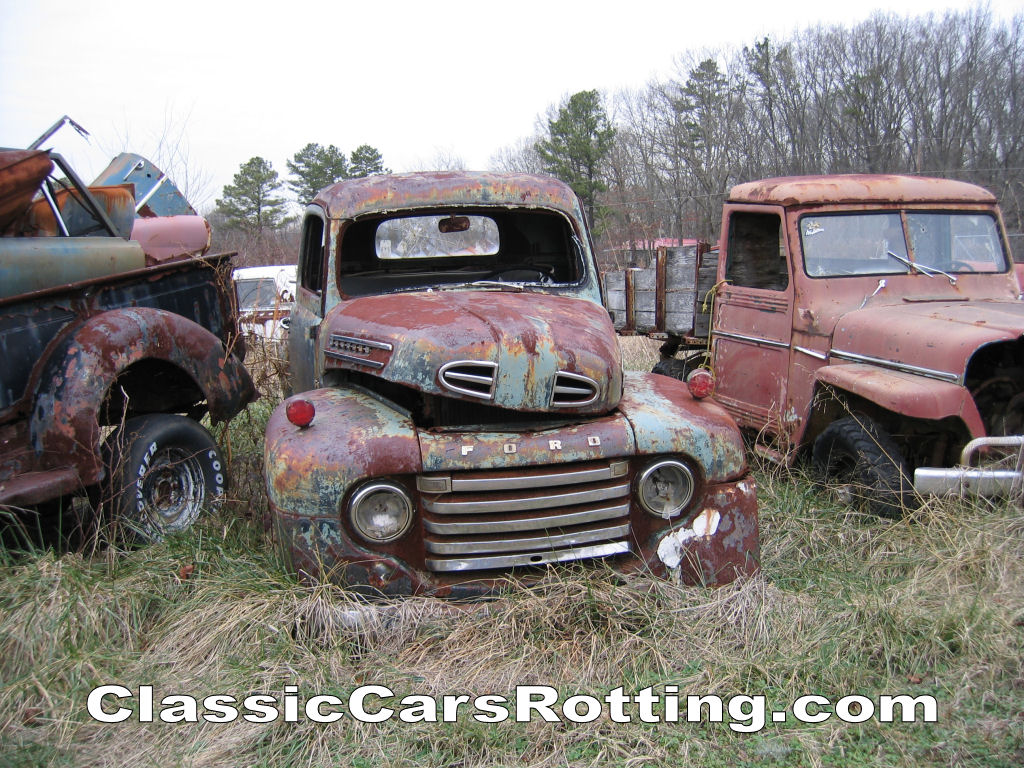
(931,604)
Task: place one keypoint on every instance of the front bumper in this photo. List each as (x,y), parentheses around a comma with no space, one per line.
(965,480)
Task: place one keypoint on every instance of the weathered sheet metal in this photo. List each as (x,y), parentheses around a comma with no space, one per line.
(895,332)
(169,238)
(395,192)
(21,173)
(857,188)
(155,193)
(313,471)
(83,365)
(478,424)
(529,341)
(29,264)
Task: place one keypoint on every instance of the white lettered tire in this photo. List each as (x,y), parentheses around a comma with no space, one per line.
(164,470)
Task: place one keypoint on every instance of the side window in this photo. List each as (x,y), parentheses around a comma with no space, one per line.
(311,258)
(756,256)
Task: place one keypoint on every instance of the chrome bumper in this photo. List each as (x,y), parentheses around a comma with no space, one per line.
(965,480)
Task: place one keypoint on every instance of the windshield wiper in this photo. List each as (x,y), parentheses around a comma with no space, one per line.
(923,269)
(514,287)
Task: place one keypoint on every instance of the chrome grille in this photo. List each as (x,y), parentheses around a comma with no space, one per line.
(512,518)
(470,377)
(572,390)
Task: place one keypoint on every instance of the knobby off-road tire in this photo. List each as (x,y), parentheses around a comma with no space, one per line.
(856,451)
(164,471)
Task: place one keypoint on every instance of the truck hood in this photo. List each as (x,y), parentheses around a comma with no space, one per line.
(936,336)
(526,351)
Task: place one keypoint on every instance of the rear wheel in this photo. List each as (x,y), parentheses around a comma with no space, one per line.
(859,454)
(164,471)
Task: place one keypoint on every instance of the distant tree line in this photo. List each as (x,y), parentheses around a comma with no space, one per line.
(938,96)
(251,216)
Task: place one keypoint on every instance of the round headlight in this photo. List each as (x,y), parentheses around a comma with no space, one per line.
(665,488)
(380,512)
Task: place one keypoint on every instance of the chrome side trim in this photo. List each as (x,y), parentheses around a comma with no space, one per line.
(476,527)
(526,503)
(352,359)
(566,386)
(537,558)
(751,339)
(335,337)
(929,373)
(813,353)
(474,546)
(485,381)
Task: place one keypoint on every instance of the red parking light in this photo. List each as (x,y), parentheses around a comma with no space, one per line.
(300,412)
(701,383)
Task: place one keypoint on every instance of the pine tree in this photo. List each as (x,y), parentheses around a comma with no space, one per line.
(366,161)
(250,203)
(314,167)
(579,139)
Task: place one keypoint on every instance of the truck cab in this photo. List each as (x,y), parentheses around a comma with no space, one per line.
(460,410)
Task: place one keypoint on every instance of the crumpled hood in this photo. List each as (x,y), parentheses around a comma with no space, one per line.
(542,351)
(939,336)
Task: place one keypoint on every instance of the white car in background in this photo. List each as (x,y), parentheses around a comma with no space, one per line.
(265,296)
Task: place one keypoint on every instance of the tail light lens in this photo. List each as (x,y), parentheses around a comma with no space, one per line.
(701,383)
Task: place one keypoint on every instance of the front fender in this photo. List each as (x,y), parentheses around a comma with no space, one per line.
(917,397)
(353,436)
(666,419)
(82,367)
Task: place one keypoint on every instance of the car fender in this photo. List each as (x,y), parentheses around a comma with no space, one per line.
(83,364)
(907,394)
(353,436)
(665,418)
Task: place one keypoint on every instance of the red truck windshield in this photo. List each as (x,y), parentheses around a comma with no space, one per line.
(838,245)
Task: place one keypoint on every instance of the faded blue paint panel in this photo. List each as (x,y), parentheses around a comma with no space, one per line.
(666,419)
(352,437)
(164,198)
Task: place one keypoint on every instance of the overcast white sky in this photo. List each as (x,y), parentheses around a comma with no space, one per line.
(413,79)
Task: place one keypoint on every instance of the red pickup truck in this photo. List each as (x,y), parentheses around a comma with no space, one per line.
(872,321)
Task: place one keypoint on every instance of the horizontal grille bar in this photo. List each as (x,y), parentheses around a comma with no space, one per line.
(533,478)
(524,523)
(526,502)
(517,517)
(535,558)
(543,542)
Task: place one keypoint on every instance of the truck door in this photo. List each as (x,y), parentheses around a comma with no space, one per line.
(752,321)
(307,312)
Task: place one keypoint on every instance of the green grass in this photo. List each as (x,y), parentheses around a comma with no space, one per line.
(845,603)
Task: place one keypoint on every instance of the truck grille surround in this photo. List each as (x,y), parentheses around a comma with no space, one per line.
(523,517)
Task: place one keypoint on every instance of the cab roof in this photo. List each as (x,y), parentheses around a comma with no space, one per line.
(385,193)
(858,188)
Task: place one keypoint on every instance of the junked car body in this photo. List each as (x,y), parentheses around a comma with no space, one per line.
(265,296)
(461,410)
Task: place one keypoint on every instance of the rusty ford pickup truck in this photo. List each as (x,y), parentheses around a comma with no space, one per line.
(874,322)
(117,336)
(461,410)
